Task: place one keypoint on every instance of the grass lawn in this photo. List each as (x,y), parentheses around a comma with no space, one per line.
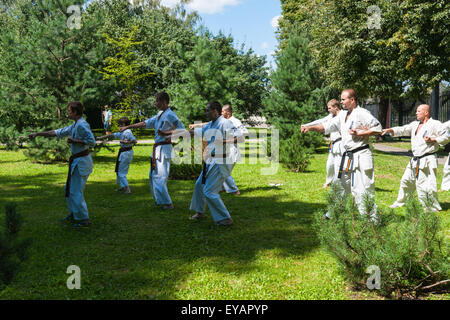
(133,250)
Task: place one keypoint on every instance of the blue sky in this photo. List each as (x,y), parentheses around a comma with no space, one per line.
(249,21)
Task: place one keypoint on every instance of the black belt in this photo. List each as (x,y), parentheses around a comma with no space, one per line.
(418,161)
(332,143)
(204,167)
(124,149)
(69,175)
(349,154)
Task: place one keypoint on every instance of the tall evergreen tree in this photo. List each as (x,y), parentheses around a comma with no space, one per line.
(44,62)
(218,71)
(296,97)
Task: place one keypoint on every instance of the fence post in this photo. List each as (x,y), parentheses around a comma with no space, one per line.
(435,102)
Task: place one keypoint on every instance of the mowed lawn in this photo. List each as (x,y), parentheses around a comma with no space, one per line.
(134,250)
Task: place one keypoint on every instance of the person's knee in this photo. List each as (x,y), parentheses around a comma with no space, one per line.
(210,195)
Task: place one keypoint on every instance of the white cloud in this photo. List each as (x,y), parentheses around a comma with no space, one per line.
(274,21)
(204,6)
(169,3)
(264,45)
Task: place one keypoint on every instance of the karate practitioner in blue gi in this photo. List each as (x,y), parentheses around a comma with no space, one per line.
(220,135)
(80,138)
(165,121)
(125,156)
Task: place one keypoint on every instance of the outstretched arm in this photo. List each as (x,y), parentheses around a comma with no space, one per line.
(197,125)
(363,133)
(318,128)
(47,134)
(386,131)
(133,126)
(108,136)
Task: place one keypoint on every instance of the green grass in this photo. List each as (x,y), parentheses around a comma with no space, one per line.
(133,250)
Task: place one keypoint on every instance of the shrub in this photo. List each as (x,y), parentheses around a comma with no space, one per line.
(408,249)
(12,249)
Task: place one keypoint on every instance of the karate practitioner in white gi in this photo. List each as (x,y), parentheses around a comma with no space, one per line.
(125,156)
(221,135)
(356,171)
(420,173)
(229,184)
(165,121)
(80,163)
(335,149)
(445,186)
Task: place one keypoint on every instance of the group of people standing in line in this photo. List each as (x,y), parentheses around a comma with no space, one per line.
(350,162)
(221,135)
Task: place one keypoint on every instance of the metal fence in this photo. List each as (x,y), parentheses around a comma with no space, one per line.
(408,117)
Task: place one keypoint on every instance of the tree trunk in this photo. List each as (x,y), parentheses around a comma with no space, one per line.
(382,112)
(382,115)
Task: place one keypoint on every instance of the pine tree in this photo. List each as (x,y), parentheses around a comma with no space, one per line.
(296,97)
(217,71)
(43,66)
(409,250)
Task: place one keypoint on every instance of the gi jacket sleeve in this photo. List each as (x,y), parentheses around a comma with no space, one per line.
(85,134)
(404,131)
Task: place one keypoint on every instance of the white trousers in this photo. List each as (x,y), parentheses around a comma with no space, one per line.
(158,181)
(75,201)
(359,181)
(446,178)
(208,193)
(425,185)
(124,165)
(333,162)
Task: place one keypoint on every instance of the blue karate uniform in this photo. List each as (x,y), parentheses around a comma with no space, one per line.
(158,177)
(218,168)
(81,167)
(125,157)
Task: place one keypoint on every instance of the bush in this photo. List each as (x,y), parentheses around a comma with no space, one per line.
(12,249)
(185,171)
(408,249)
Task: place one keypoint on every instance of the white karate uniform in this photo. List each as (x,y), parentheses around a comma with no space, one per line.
(229,184)
(445,186)
(359,179)
(81,167)
(335,151)
(163,121)
(425,183)
(125,157)
(217,169)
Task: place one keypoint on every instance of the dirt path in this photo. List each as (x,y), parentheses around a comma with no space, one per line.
(400,152)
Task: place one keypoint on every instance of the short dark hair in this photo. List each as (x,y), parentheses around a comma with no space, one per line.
(228,106)
(214,105)
(162,96)
(124,120)
(76,106)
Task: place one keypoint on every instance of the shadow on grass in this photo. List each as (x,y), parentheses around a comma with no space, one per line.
(135,250)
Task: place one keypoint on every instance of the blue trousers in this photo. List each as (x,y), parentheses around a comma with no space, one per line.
(208,194)
(158,181)
(124,166)
(75,201)
(229,185)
